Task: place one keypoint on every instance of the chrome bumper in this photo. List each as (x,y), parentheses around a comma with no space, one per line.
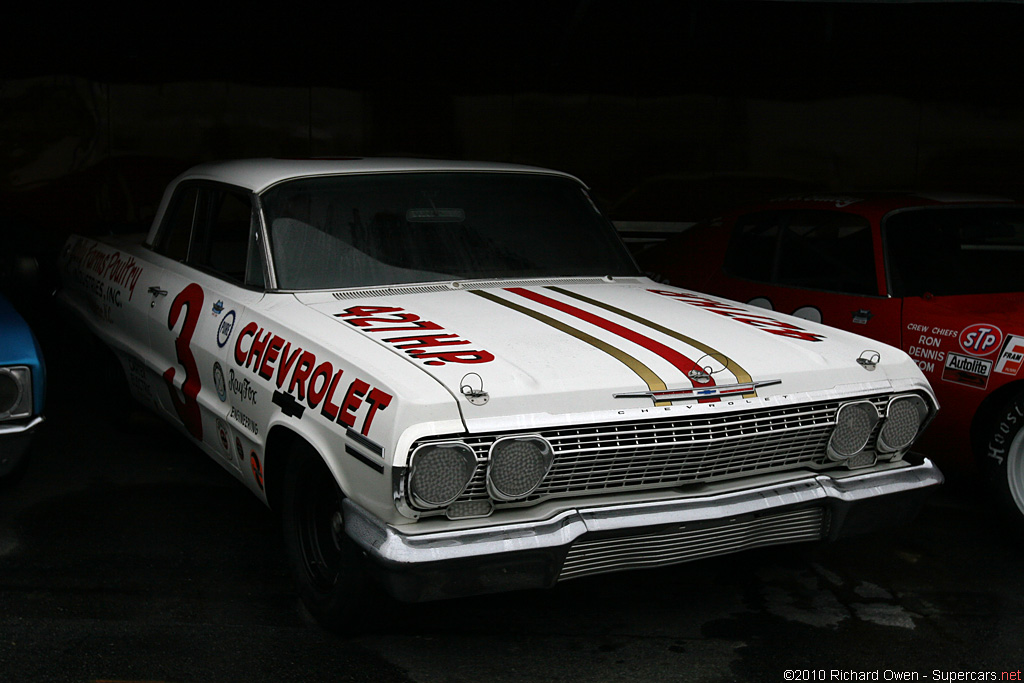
(14,442)
(609,538)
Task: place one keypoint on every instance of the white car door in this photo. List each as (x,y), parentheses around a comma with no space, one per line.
(196,301)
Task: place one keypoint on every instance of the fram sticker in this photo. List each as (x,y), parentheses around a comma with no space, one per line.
(967,370)
(980,339)
(1012,356)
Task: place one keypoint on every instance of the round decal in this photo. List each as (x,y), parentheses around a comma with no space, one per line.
(257,469)
(227,324)
(239,450)
(981,340)
(222,432)
(218,381)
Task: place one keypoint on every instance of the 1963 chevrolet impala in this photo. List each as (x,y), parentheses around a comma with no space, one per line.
(451,377)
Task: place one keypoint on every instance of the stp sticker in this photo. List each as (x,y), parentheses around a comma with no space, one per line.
(1012,356)
(980,339)
(967,370)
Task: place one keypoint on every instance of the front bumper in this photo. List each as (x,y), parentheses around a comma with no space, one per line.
(14,442)
(601,539)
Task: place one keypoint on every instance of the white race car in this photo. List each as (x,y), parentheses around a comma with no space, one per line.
(452,378)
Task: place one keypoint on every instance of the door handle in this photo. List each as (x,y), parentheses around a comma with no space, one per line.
(156,291)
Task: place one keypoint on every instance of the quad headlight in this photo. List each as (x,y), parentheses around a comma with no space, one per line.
(518,465)
(15,392)
(440,473)
(903,420)
(854,424)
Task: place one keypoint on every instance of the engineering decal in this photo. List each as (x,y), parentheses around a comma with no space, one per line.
(762,322)
(302,381)
(423,337)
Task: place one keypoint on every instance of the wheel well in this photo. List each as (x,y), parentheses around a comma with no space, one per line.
(279,442)
(988,411)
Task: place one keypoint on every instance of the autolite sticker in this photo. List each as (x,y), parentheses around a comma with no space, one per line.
(967,370)
(418,338)
(303,381)
(763,322)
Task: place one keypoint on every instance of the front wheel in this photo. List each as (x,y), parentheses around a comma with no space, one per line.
(328,568)
(1002,460)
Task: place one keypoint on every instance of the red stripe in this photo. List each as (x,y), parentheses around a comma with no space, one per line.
(671,355)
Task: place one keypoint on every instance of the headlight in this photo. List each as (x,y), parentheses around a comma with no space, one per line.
(518,464)
(854,423)
(903,420)
(15,392)
(440,473)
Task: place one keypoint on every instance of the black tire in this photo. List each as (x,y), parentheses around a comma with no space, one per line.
(328,567)
(1001,459)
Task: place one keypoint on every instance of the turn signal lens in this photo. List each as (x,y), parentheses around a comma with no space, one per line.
(517,467)
(854,424)
(903,420)
(440,473)
(15,392)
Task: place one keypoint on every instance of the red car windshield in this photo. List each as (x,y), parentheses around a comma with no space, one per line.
(948,251)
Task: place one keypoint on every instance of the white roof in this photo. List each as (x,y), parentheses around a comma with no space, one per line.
(259,174)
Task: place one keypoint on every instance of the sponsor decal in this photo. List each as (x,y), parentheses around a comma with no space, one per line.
(239,451)
(227,324)
(303,380)
(137,377)
(762,322)
(257,469)
(968,370)
(222,433)
(218,307)
(112,267)
(1012,356)
(218,382)
(980,339)
(247,422)
(242,388)
(418,338)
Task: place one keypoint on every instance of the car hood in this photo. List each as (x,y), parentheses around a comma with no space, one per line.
(531,354)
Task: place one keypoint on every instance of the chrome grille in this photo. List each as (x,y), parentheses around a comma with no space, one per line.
(657,550)
(677,451)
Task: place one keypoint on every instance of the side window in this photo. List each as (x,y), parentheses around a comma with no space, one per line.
(825,250)
(176,230)
(224,236)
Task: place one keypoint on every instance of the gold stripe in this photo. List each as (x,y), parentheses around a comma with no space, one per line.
(742,376)
(654,383)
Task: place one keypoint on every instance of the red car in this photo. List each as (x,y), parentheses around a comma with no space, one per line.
(940,277)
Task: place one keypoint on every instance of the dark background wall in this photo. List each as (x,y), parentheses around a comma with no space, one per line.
(100,108)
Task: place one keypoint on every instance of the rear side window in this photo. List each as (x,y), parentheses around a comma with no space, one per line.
(213,227)
(824,250)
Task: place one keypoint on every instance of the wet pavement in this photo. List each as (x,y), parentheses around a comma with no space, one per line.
(127,555)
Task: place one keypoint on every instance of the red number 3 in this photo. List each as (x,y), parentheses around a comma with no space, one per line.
(191,299)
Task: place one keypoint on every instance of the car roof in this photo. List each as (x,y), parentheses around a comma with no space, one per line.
(259,174)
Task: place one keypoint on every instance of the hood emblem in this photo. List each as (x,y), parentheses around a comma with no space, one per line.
(699,376)
(476,396)
(697,393)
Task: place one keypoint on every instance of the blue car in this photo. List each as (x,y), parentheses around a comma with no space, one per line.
(22,388)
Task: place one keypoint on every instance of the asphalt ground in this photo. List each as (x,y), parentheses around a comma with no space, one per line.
(127,555)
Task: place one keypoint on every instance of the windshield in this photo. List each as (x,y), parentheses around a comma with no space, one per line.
(956,250)
(392,228)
